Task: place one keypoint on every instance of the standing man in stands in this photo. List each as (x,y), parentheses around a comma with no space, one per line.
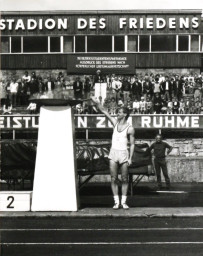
(159,148)
(119,155)
(100,86)
(13,90)
(78,88)
(126,88)
(166,89)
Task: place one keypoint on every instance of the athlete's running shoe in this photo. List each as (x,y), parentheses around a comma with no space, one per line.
(116,206)
(125,206)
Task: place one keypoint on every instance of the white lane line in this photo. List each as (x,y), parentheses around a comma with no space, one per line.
(102,229)
(105,243)
(172,192)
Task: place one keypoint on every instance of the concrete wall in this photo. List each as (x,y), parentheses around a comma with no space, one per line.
(185,162)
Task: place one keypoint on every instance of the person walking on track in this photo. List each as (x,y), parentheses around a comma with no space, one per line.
(119,155)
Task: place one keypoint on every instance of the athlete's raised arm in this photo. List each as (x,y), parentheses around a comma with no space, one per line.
(104,111)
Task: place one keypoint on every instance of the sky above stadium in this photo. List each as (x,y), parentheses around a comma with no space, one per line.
(36,5)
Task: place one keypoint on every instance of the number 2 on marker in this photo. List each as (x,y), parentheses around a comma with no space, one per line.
(10,203)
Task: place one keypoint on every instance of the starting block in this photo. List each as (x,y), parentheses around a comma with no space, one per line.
(15,201)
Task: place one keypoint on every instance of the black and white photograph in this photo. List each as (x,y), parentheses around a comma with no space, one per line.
(101,128)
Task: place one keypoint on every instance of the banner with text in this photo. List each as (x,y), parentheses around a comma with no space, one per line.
(99,121)
(107,63)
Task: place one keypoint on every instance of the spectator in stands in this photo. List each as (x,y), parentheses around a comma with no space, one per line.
(26,78)
(99,78)
(13,91)
(129,105)
(176,86)
(136,106)
(170,107)
(116,86)
(181,85)
(198,105)
(182,107)
(113,106)
(149,106)
(147,89)
(42,86)
(58,82)
(142,106)
(108,81)
(136,89)
(32,108)
(157,104)
(192,107)
(166,89)
(156,86)
(3,93)
(63,85)
(126,88)
(191,86)
(49,85)
(34,86)
(60,76)
(22,98)
(33,75)
(176,106)
(87,87)
(198,90)
(7,107)
(186,88)
(79,108)
(78,88)
(120,103)
(187,105)
(107,104)
(164,106)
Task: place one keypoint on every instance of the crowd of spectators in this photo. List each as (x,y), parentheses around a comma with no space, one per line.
(142,94)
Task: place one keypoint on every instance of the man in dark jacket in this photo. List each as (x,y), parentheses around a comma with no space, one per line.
(178,87)
(87,87)
(126,88)
(34,86)
(157,104)
(159,148)
(175,84)
(136,89)
(99,78)
(166,89)
(147,89)
(78,88)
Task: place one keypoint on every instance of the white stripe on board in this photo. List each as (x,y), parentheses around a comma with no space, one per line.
(171,192)
(102,229)
(105,243)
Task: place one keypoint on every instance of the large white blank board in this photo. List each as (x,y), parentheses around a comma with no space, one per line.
(55,181)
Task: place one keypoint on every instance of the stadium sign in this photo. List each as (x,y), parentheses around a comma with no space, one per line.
(93,23)
(108,63)
(99,121)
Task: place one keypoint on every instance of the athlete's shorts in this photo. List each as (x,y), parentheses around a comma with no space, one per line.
(118,156)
